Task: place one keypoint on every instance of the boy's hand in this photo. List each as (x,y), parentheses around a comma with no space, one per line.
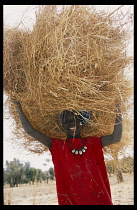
(16,102)
(118,108)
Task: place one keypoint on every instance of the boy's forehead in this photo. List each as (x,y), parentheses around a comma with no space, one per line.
(83,116)
(67,114)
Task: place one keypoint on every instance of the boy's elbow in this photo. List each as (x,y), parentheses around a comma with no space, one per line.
(117,138)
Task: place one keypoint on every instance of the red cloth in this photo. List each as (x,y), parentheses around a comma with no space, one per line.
(80,179)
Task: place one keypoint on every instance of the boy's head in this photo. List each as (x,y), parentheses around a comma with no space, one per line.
(72,122)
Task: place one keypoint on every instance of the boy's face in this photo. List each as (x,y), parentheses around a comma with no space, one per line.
(72,125)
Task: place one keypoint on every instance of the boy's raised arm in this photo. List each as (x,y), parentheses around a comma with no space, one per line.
(117,133)
(41,137)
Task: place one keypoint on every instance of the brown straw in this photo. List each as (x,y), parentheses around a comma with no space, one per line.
(74,58)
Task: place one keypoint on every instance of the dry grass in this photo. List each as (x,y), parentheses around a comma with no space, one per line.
(45,194)
(73,59)
(41,194)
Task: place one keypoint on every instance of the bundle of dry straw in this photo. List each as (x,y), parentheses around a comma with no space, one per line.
(74,59)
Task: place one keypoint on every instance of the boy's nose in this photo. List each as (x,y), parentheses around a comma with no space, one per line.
(72,123)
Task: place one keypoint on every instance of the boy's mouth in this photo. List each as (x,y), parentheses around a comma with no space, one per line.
(72,128)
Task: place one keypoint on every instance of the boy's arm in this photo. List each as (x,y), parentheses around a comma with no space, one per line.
(30,129)
(117,133)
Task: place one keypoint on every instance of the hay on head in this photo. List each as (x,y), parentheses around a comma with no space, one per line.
(73,59)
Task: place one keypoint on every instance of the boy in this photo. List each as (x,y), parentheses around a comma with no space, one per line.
(80,171)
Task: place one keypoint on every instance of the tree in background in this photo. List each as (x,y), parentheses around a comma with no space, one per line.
(13,172)
(110,167)
(51,172)
(125,165)
(16,173)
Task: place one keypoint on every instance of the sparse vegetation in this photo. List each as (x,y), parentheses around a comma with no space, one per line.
(17,173)
(125,165)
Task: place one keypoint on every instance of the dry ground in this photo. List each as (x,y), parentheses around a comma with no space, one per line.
(123,193)
(45,194)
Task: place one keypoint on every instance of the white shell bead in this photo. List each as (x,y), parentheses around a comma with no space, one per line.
(73,151)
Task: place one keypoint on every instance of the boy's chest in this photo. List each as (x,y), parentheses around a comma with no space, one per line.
(78,165)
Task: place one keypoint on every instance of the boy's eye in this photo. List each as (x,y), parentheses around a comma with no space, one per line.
(79,117)
(72,121)
(67,121)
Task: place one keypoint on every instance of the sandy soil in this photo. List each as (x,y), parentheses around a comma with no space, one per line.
(45,194)
(123,193)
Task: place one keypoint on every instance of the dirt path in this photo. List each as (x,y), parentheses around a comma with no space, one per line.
(45,194)
(123,193)
(41,194)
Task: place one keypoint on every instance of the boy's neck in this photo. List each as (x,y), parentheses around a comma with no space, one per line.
(73,137)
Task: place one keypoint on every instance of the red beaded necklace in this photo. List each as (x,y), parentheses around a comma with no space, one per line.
(78,151)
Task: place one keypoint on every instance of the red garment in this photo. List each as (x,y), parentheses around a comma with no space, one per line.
(80,179)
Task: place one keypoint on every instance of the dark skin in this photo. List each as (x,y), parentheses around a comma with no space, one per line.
(71,126)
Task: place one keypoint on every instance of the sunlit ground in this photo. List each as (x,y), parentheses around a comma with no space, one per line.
(45,194)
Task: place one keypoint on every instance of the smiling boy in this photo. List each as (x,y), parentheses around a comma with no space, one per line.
(80,171)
